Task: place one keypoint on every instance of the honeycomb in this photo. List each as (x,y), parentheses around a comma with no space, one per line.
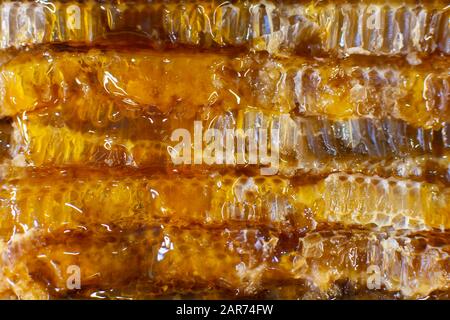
(224,149)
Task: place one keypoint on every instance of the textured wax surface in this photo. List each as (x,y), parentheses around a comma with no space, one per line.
(159,258)
(137,138)
(81,198)
(120,82)
(325,27)
(311,144)
(133,101)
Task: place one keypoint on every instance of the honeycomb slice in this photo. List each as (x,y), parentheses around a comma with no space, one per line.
(381,28)
(73,199)
(106,87)
(412,266)
(294,143)
(168,260)
(154,256)
(401,204)
(48,146)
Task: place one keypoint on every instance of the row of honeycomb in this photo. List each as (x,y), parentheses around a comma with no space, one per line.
(225,149)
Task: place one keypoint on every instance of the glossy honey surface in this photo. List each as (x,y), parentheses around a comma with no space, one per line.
(348,102)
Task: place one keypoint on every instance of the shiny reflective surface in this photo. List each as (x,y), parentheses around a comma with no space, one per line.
(76,198)
(349,99)
(101,87)
(317,27)
(158,259)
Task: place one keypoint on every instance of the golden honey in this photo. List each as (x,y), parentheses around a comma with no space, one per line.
(224,149)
